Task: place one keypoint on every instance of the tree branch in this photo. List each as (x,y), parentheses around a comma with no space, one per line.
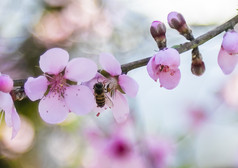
(188,45)
(180,48)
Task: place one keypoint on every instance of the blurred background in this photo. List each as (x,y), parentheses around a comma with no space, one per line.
(194,125)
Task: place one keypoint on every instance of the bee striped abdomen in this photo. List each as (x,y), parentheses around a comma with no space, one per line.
(100,100)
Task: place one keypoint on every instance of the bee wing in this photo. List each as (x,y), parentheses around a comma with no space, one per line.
(108,101)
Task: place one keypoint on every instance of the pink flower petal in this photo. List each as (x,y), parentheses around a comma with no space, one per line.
(80,70)
(110,64)
(53,109)
(226,61)
(79,99)
(152,68)
(128,85)
(170,79)
(54,60)
(230,42)
(16,123)
(6,102)
(168,56)
(120,107)
(35,88)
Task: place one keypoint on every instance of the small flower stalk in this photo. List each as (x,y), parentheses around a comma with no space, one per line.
(197,66)
(177,21)
(158,31)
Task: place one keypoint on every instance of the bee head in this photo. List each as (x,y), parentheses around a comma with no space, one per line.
(98,85)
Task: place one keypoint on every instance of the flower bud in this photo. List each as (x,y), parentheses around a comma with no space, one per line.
(158,31)
(6,83)
(230,41)
(198,66)
(177,21)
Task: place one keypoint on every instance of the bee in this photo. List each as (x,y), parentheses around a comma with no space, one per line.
(100,94)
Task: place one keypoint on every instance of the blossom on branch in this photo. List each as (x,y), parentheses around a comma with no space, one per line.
(115,85)
(12,118)
(60,88)
(164,66)
(228,54)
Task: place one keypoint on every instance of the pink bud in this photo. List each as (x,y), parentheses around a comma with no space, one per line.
(6,83)
(177,21)
(158,31)
(230,42)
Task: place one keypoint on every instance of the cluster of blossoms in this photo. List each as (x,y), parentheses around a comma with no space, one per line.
(69,86)
(118,149)
(164,64)
(78,86)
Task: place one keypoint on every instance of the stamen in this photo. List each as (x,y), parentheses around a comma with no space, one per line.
(1,115)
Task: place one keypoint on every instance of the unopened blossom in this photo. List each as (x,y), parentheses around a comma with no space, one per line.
(57,88)
(12,118)
(177,21)
(116,85)
(228,54)
(164,66)
(158,30)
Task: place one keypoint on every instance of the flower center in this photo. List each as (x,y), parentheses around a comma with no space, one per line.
(112,85)
(165,68)
(120,149)
(57,84)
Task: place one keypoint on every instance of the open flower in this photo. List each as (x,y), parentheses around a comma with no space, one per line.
(115,84)
(228,54)
(164,66)
(12,118)
(55,89)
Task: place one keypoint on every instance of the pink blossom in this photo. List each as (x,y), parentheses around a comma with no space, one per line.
(164,66)
(158,151)
(113,150)
(12,118)
(196,116)
(57,88)
(116,84)
(228,54)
